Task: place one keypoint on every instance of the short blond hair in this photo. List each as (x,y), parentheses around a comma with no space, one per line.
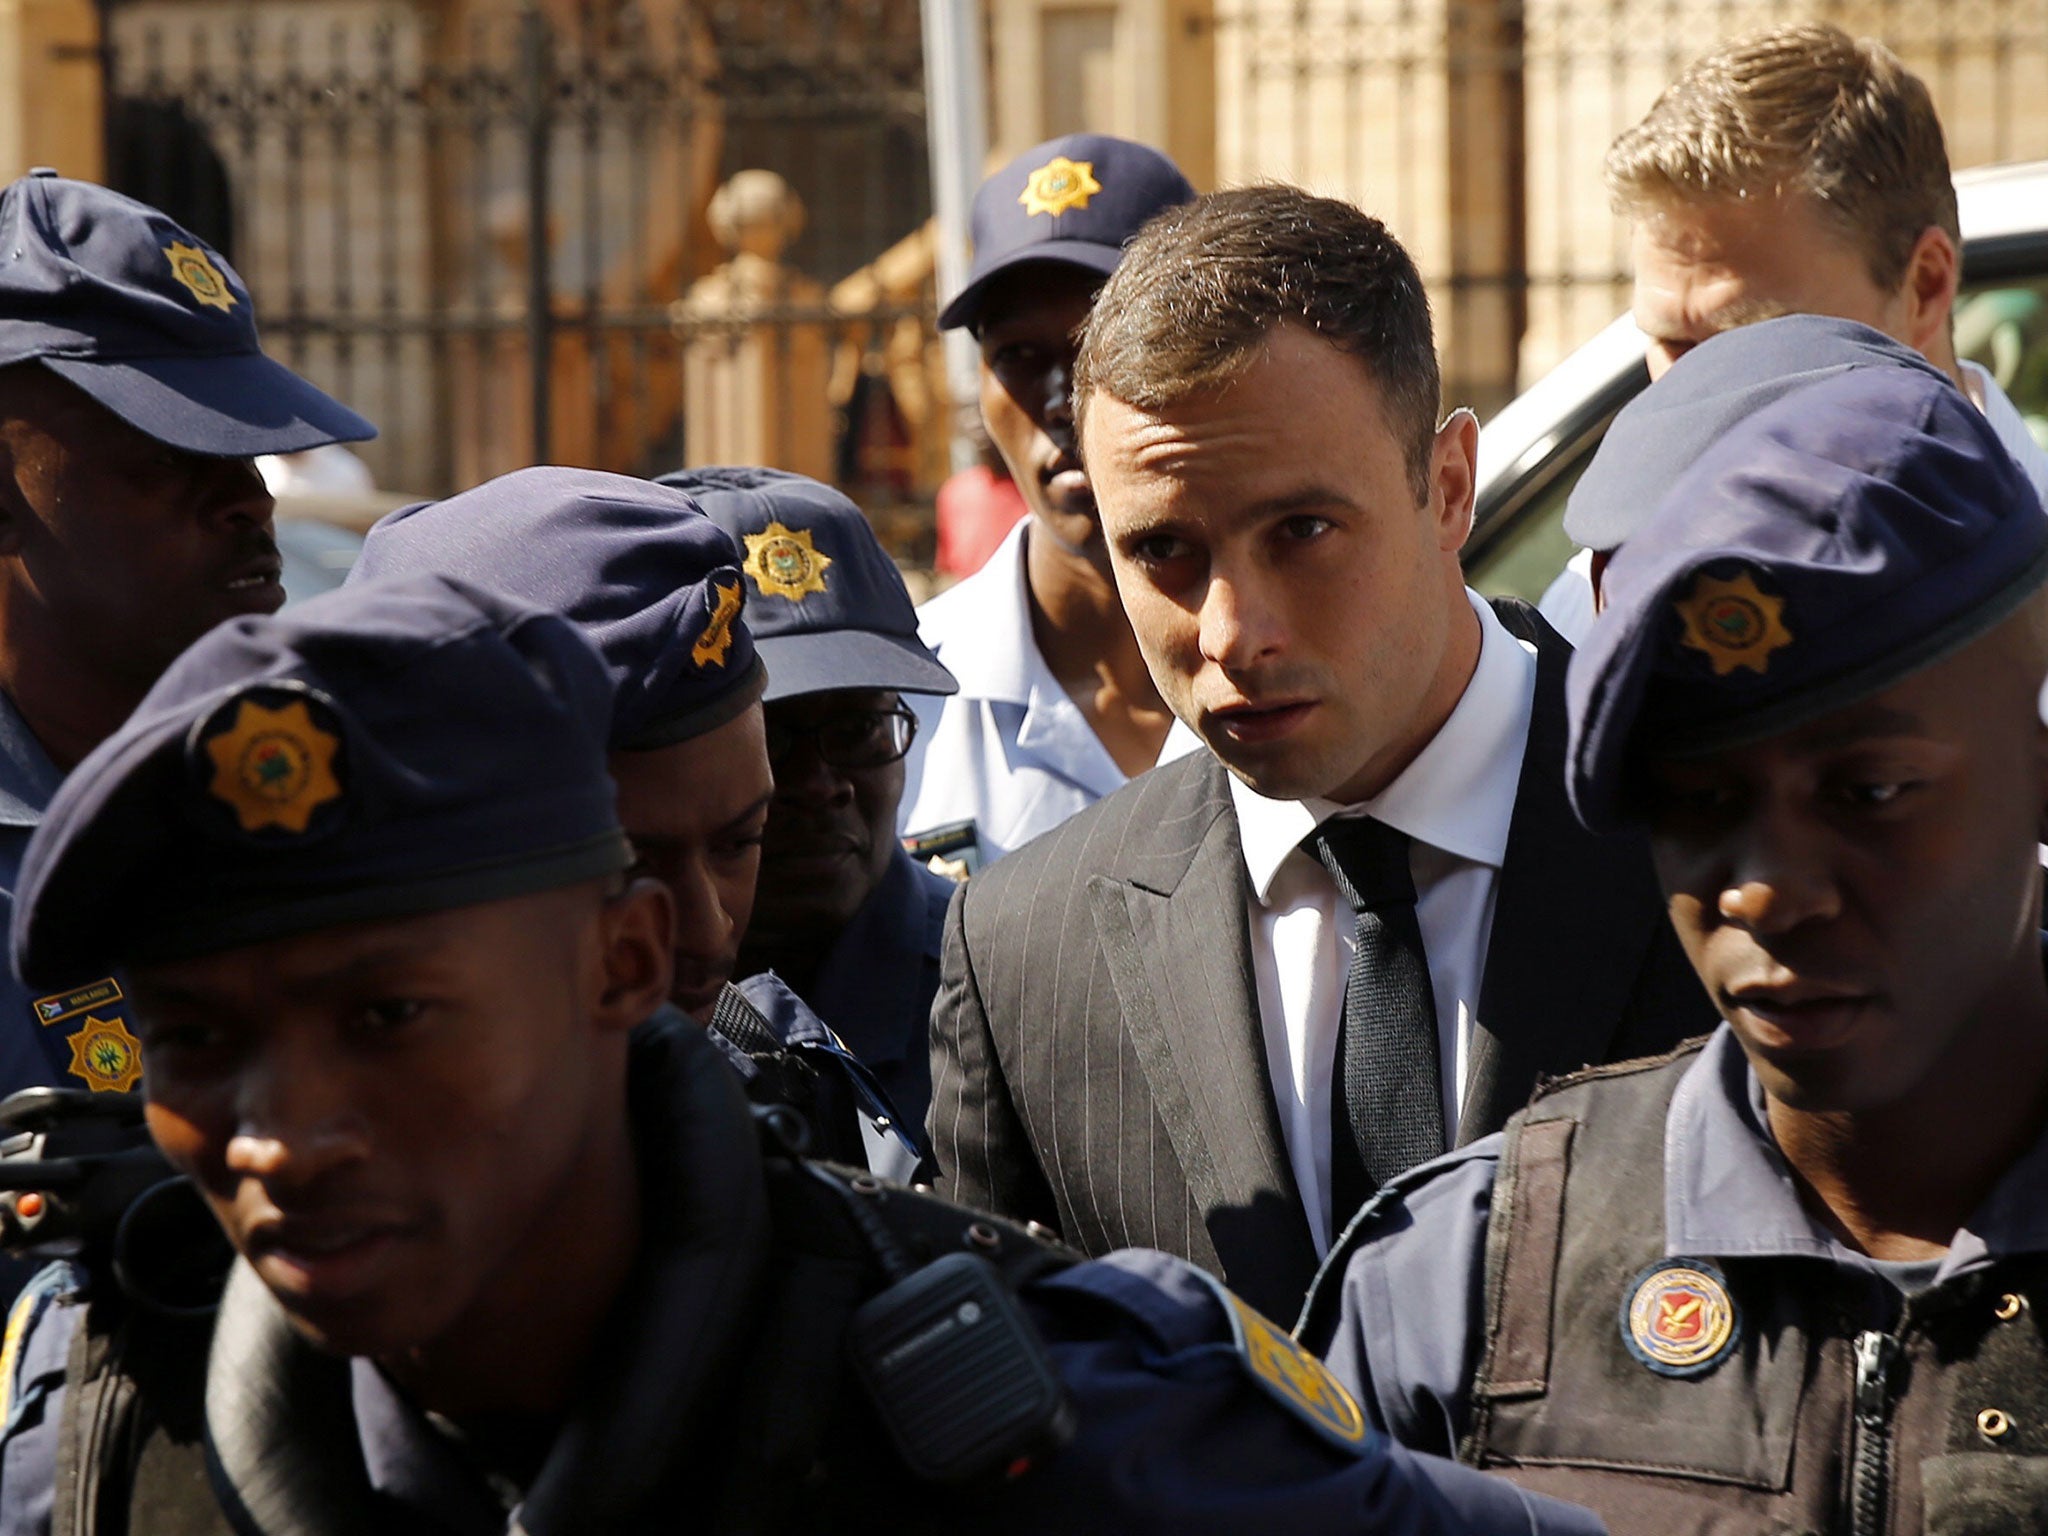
(1803,109)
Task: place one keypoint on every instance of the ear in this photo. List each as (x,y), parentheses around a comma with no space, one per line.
(1928,292)
(638,932)
(1454,478)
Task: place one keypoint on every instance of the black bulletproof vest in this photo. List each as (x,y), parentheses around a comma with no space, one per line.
(1833,1410)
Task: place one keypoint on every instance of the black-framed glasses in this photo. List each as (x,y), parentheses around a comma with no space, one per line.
(849,740)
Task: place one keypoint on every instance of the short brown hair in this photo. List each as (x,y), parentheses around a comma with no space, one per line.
(1201,286)
(1803,109)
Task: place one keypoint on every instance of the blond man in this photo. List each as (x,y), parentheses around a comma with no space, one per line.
(1797,170)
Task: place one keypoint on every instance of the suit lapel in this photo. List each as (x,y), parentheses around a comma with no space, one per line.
(1172,925)
(1571,920)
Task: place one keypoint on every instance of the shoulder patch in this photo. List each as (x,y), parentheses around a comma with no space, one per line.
(19,1316)
(1291,1376)
(40,1294)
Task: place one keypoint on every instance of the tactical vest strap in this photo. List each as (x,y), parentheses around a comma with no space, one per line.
(1521,1257)
(130,1457)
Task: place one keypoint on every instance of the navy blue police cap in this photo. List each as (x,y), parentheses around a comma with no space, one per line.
(1075,200)
(650,579)
(1841,539)
(385,749)
(827,605)
(114,297)
(1722,381)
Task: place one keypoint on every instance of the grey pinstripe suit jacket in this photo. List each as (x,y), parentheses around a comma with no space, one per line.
(1097,1058)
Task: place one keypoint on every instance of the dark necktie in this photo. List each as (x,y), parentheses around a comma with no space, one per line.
(1387,1108)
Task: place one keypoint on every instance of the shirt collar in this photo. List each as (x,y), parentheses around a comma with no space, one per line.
(1459,793)
(1728,1191)
(407,1461)
(28,779)
(993,654)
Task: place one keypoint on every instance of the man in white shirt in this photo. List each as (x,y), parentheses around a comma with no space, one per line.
(1796,170)
(1055,707)
(1215,1011)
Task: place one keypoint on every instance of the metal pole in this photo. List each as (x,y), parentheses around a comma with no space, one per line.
(956,115)
(536,68)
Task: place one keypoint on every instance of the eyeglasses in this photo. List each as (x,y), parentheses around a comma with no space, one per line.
(851,740)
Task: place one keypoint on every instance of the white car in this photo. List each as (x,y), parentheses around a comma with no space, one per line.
(1534,449)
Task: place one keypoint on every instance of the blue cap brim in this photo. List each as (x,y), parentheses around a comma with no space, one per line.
(821,661)
(1087,254)
(235,405)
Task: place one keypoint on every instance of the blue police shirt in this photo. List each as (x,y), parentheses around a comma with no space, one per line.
(78,1035)
(876,984)
(1411,1327)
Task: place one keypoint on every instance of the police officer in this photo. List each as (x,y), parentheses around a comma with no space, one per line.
(841,912)
(1055,707)
(134,398)
(658,587)
(513,1253)
(1789,1278)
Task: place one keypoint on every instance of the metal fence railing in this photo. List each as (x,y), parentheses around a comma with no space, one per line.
(492,230)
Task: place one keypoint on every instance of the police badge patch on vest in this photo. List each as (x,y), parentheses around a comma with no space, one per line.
(102,1053)
(1678,1318)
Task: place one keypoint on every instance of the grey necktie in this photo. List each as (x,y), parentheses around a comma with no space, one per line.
(1386,1108)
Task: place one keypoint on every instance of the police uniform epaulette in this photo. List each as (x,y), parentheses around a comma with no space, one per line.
(1635,1066)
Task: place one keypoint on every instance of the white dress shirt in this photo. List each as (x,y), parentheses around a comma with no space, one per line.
(1011,751)
(1455,802)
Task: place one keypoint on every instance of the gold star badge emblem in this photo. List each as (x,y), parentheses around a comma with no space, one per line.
(785,563)
(1734,623)
(274,767)
(202,279)
(106,1055)
(711,646)
(1058,185)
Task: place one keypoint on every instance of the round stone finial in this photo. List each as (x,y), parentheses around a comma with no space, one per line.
(756,214)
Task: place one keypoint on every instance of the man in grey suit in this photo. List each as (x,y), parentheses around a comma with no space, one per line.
(1215,1012)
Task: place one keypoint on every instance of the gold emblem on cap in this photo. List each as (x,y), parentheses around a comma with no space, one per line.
(711,646)
(1734,623)
(202,279)
(274,767)
(106,1055)
(1058,185)
(785,563)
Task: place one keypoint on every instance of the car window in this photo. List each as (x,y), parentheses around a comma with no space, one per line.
(317,556)
(2004,327)
(1524,557)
